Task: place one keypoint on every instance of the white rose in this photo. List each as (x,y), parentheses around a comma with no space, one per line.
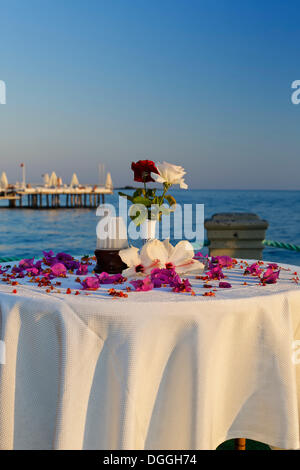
(170,174)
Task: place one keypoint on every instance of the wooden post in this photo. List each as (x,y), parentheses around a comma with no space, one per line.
(67,200)
(238,235)
(240,444)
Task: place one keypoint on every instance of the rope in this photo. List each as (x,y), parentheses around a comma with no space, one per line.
(7,259)
(269,243)
(285,246)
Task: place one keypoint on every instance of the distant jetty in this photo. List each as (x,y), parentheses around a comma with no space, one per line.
(53,194)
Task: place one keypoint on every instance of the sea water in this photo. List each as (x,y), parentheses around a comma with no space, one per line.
(26,232)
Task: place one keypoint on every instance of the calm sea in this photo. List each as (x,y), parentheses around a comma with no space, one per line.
(27,232)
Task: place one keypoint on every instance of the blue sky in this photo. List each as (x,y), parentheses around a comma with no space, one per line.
(205,84)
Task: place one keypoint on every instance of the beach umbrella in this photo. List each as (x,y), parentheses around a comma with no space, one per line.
(46,179)
(53,179)
(59,181)
(3,180)
(74,180)
(108,182)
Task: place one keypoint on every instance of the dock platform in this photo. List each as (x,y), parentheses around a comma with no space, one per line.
(55,198)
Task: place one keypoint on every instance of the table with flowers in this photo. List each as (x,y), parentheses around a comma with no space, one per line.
(165,359)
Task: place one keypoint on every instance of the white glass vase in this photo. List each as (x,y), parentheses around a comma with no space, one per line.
(148,229)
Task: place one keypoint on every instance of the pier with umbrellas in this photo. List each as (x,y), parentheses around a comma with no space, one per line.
(53,193)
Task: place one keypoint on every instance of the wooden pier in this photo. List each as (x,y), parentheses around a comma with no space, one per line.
(47,198)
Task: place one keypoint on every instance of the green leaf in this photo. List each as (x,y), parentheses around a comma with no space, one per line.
(142,200)
(137,192)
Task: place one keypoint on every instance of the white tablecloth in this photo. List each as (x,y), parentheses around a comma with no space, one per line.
(158,370)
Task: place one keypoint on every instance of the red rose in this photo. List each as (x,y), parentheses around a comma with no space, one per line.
(143,169)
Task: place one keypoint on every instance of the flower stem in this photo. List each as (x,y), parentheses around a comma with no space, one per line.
(166,187)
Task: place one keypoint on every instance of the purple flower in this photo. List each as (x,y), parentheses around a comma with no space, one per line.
(49,257)
(160,277)
(254,270)
(273,266)
(225,285)
(26,263)
(182,286)
(90,283)
(58,269)
(68,261)
(33,271)
(270,276)
(222,261)
(82,270)
(105,278)
(28,266)
(48,253)
(142,284)
(215,273)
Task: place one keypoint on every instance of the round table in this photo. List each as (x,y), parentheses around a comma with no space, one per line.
(155,370)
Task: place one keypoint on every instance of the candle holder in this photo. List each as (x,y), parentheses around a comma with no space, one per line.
(109,261)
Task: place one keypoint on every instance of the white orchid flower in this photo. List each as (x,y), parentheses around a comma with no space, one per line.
(139,264)
(181,258)
(170,174)
(157,254)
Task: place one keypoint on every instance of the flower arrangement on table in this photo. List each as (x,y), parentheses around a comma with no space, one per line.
(150,204)
(49,273)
